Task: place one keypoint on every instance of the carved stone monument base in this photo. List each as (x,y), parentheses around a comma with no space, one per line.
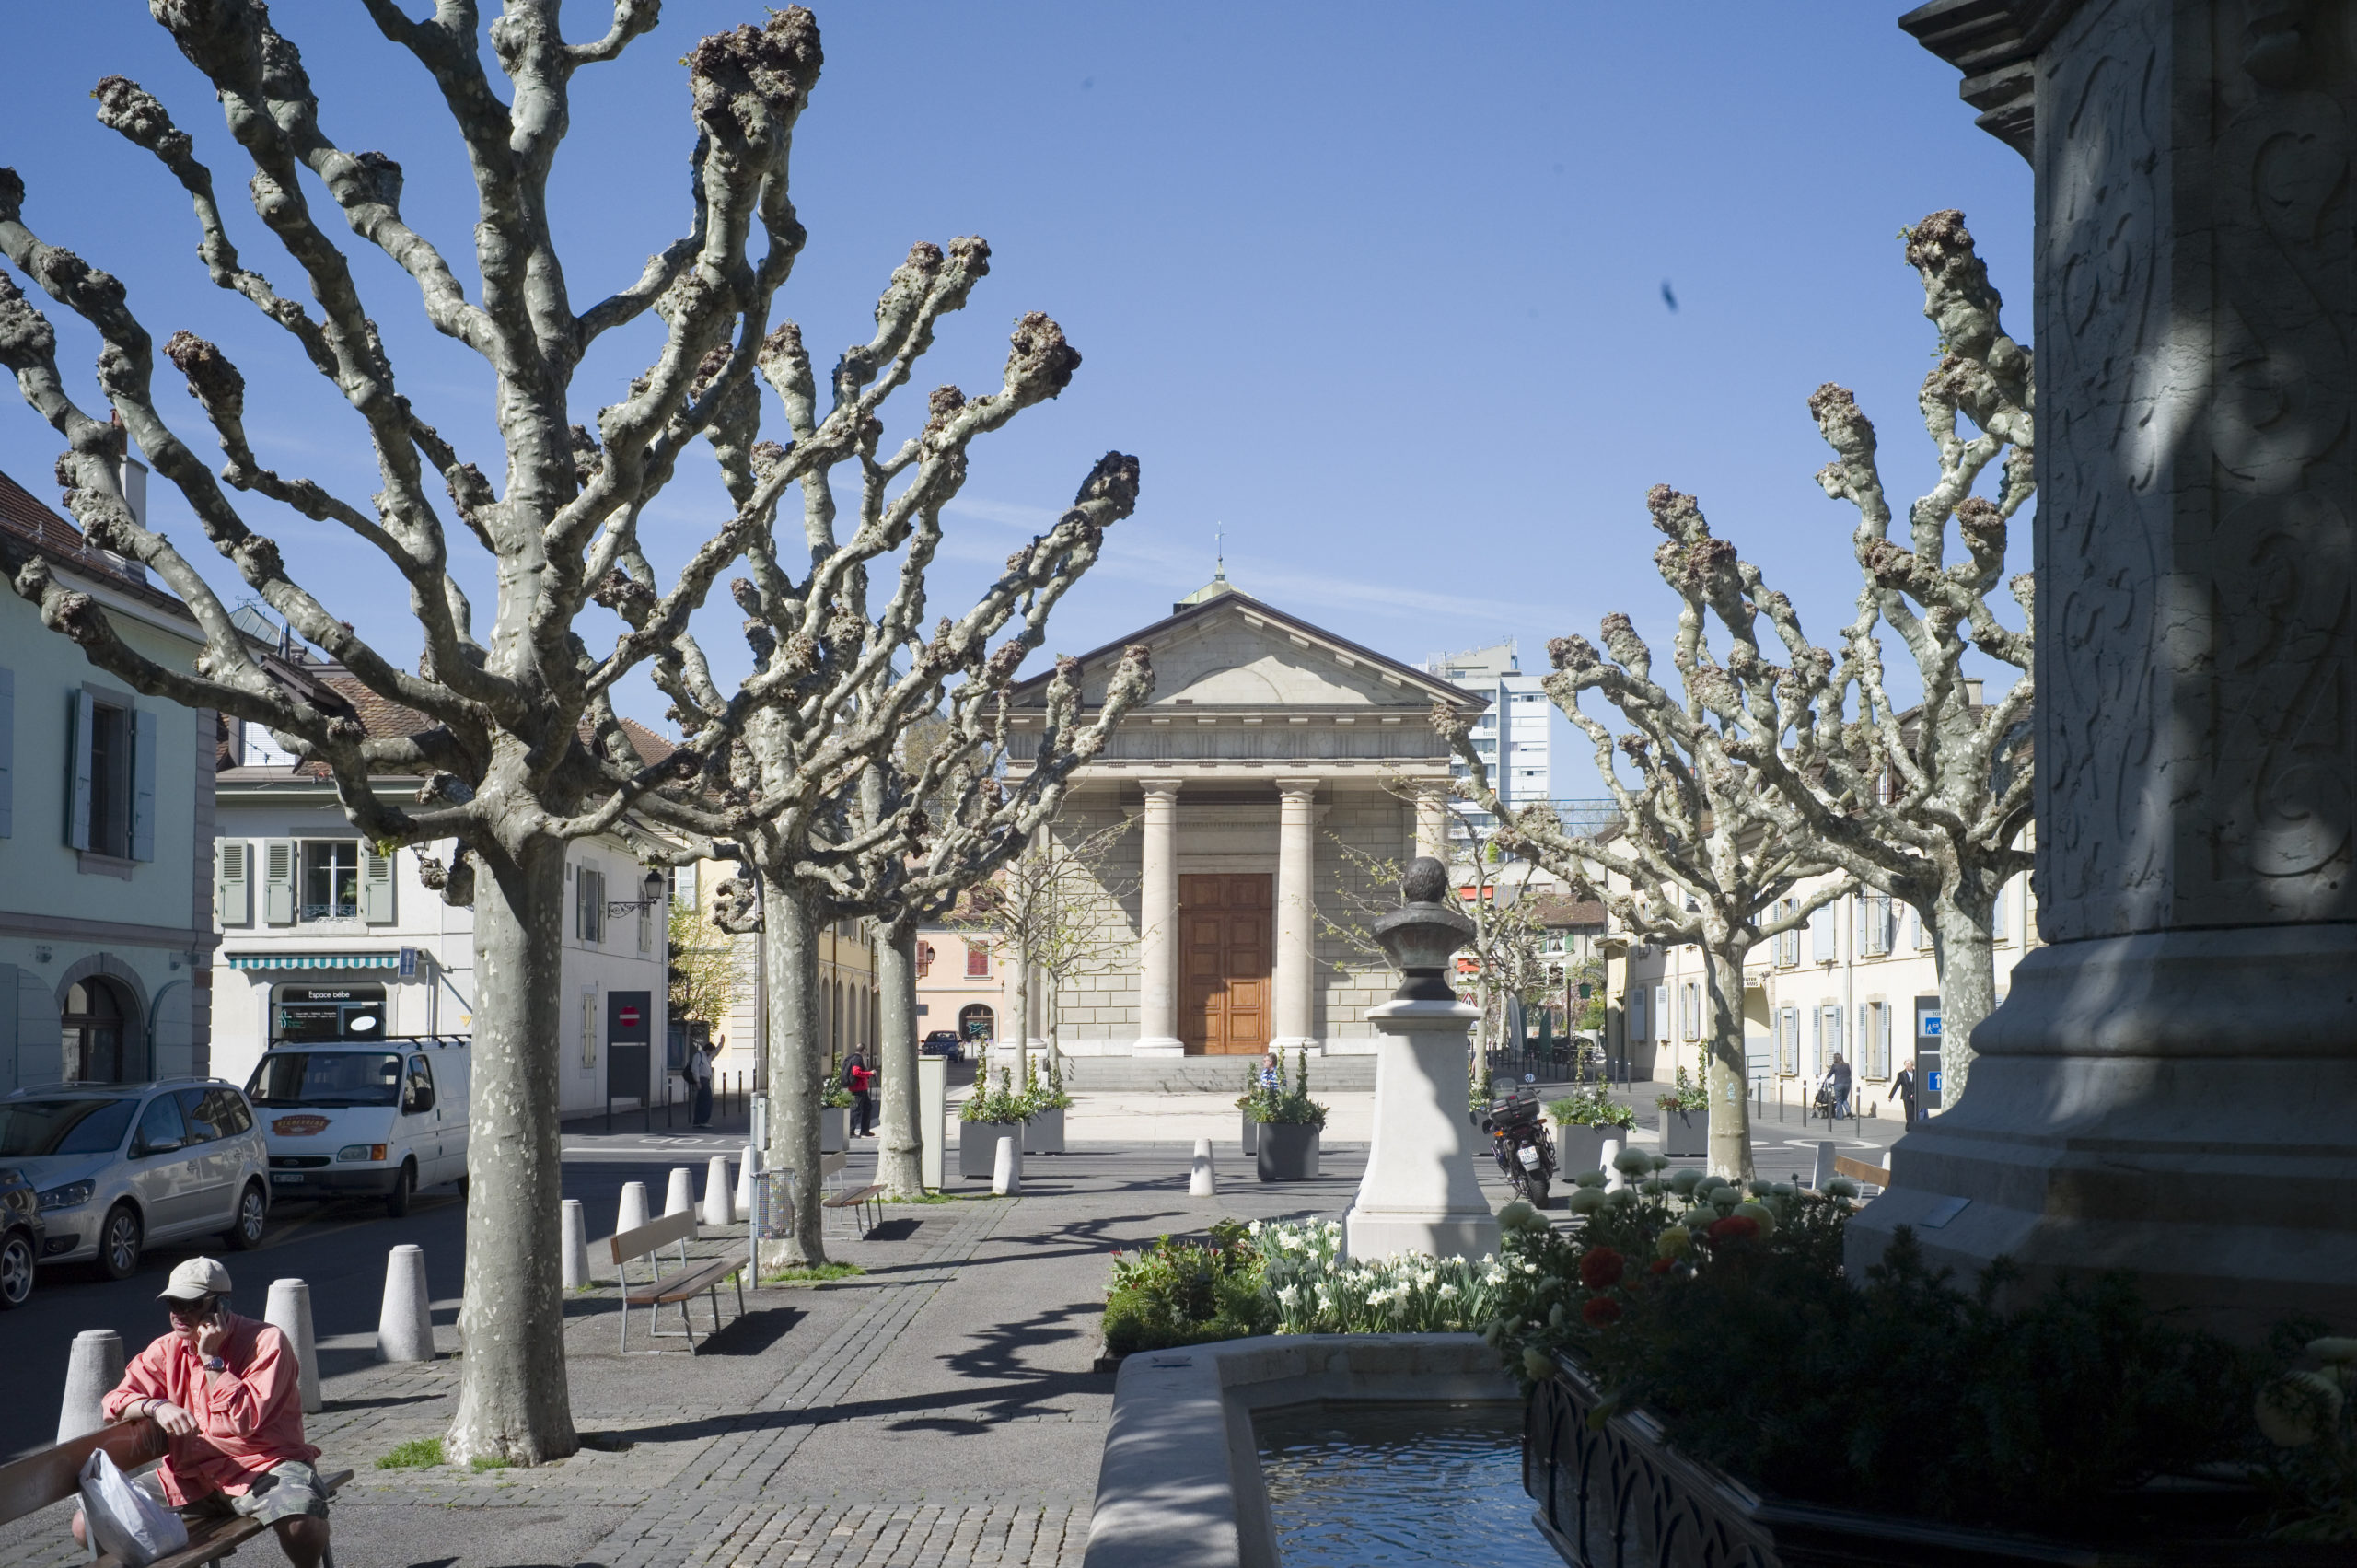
(1419,1194)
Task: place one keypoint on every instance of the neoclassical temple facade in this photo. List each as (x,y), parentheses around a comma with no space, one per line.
(1234,822)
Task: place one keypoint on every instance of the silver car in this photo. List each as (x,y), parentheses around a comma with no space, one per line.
(120,1168)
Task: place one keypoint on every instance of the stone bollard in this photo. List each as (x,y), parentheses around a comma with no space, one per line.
(1824,1172)
(1613,1179)
(682,1191)
(576,1245)
(631,1214)
(1006,1168)
(289,1312)
(717,1209)
(1201,1182)
(90,1376)
(750,1168)
(405,1324)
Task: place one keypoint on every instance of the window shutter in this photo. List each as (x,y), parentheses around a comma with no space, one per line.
(82,718)
(1914,927)
(1999,928)
(1882,1040)
(278,882)
(580,906)
(1861,907)
(143,784)
(233,885)
(8,763)
(376,886)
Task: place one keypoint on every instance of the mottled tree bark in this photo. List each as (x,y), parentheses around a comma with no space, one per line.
(1730,1142)
(1967,961)
(899,1159)
(790,930)
(512,1400)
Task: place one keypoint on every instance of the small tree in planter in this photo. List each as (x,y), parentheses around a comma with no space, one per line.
(987,1116)
(834,1116)
(1684,1118)
(1288,1122)
(1584,1119)
(1043,1129)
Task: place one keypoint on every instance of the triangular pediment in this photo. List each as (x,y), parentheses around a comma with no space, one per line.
(1234,654)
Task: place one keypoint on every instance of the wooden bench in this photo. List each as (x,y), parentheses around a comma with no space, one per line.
(1859,1170)
(681,1285)
(53,1475)
(864,1203)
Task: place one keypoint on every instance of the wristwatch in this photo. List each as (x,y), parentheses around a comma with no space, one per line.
(215,1364)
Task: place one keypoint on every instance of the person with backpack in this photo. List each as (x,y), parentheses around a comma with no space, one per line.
(698,1072)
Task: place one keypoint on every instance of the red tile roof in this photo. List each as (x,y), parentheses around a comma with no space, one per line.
(27,521)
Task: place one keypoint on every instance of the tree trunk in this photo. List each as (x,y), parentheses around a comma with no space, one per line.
(513,1403)
(1725,1074)
(899,1159)
(1967,966)
(790,932)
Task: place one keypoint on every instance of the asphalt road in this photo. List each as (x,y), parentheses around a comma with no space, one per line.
(337,1247)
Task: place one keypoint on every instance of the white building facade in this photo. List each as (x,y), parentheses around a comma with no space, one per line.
(322,938)
(106,927)
(1512,735)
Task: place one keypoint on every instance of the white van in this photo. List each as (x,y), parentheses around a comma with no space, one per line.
(384,1117)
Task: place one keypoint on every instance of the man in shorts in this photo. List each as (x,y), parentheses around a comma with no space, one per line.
(228,1393)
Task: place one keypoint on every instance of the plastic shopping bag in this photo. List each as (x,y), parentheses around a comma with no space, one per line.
(127,1523)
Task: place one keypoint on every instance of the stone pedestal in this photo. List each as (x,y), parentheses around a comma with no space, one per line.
(2168,1086)
(1419,1194)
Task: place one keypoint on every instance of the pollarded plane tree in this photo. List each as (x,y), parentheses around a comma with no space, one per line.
(836,677)
(522,750)
(1704,854)
(1931,804)
(953,826)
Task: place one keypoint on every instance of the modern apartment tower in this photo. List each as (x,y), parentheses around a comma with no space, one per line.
(1510,735)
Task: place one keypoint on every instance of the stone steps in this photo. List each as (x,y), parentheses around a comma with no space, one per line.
(1200,1075)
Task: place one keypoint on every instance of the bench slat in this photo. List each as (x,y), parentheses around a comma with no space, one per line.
(33,1482)
(213,1538)
(850,1200)
(679,1287)
(1859,1170)
(638,1243)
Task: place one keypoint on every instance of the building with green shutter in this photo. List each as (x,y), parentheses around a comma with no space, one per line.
(106,828)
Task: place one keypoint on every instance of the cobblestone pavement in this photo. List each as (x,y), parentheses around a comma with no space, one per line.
(939,1409)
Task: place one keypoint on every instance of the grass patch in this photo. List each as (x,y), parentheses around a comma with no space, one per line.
(417,1454)
(817,1276)
(491,1462)
(928,1198)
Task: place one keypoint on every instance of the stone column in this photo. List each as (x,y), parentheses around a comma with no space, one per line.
(2182,1055)
(1432,823)
(1294,1011)
(1159,924)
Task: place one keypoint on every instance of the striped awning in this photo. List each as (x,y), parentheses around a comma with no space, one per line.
(314,960)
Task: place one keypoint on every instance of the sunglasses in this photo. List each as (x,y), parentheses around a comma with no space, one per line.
(192,1311)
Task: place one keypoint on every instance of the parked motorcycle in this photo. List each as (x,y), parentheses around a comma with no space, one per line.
(1518,1136)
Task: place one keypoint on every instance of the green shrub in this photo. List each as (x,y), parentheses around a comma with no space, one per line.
(1000,1105)
(1590,1107)
(1185,1293)
(1688,1096)
(1282,1106)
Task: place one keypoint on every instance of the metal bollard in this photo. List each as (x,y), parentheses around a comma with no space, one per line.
(405,1323)
(290,1313)
(94,1368)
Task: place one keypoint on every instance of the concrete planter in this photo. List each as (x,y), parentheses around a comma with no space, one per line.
(1044,1134)
(834,1129)
(978,1145)
(1287,1151)
(1579,1147)
(1685,1135)
(1251,1135)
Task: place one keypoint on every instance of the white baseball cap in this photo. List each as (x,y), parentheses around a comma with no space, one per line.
(195,1278)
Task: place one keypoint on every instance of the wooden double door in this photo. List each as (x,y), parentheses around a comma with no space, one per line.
(1224,954)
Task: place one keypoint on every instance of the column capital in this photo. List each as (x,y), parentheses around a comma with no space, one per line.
(1298,786)
(1169,788)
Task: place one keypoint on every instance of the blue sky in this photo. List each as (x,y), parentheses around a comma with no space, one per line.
(1375,289)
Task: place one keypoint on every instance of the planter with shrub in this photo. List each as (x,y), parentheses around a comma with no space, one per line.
(987,1116)
(1287,1123)
(1583,1120)
(1685,1120)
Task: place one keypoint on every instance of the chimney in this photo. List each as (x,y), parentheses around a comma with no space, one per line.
(1972,691)
(134,480)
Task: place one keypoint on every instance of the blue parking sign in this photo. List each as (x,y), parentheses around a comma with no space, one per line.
(1929,1024)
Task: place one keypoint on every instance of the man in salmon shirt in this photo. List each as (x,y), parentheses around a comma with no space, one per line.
(228,1393)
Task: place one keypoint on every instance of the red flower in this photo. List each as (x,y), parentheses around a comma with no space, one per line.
(1600,1310)
(1734,1227)
(1661,1265)
(1601,1268)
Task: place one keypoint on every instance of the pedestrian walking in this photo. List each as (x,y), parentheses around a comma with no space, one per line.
(1837,1078)
(1272,1075)
(228,1393)
(699,1073)
(1903,1087)
(862,1085)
